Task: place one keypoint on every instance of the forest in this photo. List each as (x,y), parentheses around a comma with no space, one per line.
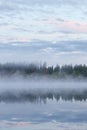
(42,69)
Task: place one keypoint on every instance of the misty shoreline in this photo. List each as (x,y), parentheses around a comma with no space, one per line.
(39,83)
(43,71)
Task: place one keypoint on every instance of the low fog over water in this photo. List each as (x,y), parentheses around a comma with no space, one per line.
(37,102)
(36,89)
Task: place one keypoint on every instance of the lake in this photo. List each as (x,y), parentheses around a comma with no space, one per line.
(43,105)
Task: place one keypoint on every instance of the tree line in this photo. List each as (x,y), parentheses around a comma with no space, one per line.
(28,69)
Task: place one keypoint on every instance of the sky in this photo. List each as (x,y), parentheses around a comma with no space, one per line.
(52,31)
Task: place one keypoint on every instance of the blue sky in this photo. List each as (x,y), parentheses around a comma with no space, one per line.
(38,31)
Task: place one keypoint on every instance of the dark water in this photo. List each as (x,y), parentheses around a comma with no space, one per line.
(62,106)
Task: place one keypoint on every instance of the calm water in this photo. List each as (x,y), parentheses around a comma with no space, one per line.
(46,108)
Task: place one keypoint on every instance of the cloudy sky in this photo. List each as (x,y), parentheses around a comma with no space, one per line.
(54,31)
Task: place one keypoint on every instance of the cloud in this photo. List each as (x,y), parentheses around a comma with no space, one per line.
(48,27)
(38,46)
(53,124)
(42,51)
(63,2)
(43,19)
(8,6)
(7,124)
(68,26)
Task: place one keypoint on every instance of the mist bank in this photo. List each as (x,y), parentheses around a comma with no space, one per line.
(42,70)
(41,90)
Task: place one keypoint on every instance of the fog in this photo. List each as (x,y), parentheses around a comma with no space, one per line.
(37,101)
(41,82)
(36,89)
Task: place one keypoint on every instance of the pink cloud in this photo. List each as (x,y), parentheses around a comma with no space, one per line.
(14,124)
(68,25)
(15,39)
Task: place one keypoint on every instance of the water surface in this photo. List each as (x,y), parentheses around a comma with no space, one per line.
(43,105)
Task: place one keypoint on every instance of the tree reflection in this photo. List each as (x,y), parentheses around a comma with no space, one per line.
(41,96)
